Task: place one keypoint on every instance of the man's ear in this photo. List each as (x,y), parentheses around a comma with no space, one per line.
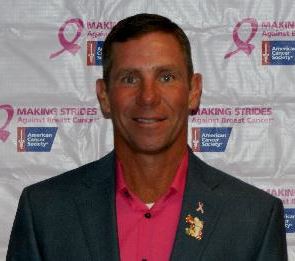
(195,92)
(103,98)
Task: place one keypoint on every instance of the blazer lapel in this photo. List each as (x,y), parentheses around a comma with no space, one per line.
(96,207)
(199,194)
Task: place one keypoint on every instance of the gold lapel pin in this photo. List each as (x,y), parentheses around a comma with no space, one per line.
(195,228)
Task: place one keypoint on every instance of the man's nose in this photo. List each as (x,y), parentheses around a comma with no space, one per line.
(148,94)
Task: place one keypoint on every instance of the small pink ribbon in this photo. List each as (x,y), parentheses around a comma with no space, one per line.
(244,46)
(4,133)
(70,46)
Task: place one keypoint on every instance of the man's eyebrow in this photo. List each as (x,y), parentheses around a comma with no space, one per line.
(128,70)
(168,67)
(155,68)
(125,71)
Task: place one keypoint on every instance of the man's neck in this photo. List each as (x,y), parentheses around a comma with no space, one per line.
(150,175)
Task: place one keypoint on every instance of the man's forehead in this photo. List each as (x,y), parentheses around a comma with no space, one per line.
(147,34)
(152,48)
(165,38)
(148,67)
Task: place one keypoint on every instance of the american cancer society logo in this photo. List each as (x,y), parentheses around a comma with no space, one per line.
(35,139)
(210,139)
(94,52)
(290,220)
(278,52)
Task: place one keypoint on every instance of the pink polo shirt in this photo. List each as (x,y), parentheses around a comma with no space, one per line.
(148,234)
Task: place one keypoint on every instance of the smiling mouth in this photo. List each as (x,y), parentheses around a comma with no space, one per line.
(148,120)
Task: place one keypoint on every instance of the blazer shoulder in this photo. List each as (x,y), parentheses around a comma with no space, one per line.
(229,185)
(94,172)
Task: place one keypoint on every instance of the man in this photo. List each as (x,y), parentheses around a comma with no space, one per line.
(151,198)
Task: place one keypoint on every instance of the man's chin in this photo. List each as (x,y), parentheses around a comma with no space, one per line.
(150,145)
(151,149)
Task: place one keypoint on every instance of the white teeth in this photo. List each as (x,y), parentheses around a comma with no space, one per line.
(146,120)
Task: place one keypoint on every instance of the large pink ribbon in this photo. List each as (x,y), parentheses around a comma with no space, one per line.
(244,46)
(70,46)
(4,133)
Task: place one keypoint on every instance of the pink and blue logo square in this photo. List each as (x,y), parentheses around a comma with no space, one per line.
(210,139)
(94,52)
(278,52)
(290,220)
(35,139)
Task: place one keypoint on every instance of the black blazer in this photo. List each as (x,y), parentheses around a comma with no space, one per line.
(72,217)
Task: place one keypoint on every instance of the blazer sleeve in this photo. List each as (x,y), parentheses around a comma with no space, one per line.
(23,245)
(274,247)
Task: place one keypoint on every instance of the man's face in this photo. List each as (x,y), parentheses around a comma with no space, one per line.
(149,93)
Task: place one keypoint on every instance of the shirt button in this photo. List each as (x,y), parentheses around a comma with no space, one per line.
(147,215)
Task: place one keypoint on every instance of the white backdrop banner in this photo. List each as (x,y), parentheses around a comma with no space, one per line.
(50,120)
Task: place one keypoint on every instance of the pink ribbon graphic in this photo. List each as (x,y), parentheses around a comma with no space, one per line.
(4,133)
(244,46)
(70,46)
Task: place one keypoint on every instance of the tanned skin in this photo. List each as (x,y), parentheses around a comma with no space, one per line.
(149,97)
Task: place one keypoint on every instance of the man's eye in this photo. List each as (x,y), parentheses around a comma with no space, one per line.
(129,79)
(167,77)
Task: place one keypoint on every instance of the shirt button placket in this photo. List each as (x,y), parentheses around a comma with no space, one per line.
(147,216)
